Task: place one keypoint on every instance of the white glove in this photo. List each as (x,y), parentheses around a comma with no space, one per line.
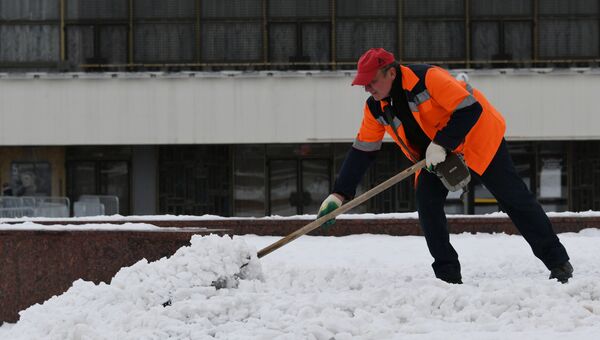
(434,155)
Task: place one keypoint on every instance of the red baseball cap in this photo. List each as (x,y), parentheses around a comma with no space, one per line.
(369,63)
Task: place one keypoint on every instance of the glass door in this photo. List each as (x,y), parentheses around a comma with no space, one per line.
(283,187)
(298,186)
(315,184)
(99,178)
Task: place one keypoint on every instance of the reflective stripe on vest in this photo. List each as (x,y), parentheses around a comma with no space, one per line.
(366,146)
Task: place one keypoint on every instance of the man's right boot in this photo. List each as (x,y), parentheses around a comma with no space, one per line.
(562,272)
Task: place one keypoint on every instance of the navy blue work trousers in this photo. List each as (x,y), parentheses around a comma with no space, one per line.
(502,180)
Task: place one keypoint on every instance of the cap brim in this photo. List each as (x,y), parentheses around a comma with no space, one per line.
(364,78)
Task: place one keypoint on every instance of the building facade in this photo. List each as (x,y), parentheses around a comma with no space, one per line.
(244,108)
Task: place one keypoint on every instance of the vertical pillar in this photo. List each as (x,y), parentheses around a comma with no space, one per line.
(333,45)
(62,30)
(400,23)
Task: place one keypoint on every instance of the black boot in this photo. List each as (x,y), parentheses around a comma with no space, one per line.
(449,272)
(453,280)
(562,272)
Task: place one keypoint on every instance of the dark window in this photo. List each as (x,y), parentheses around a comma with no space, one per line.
(29,43)
(585,170)
(29,9)
(97,9)
(249,180)
(299,178)
(505,8)
(164,43)
(561,7)
(164,31)
(569,29)
(552,175)
(361,25)
(354,37)
(100,178)
(563,38)
(433,31)
(231,41)
(96,32)
(501,31)
(299,8)
(160,9)
(231,31)
(195,180)
(299,32)
(223,9)
(433,8)
(96,44)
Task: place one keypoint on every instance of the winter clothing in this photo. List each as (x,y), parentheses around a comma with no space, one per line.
(429,113)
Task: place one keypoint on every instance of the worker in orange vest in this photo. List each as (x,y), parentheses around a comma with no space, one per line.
(431,115)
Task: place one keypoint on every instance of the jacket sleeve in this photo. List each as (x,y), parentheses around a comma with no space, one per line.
(361,155)
(455,98)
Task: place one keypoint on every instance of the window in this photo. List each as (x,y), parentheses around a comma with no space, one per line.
(552,171)
(195,179)
(164,31)
(231,31)
(569,29)
(298,177)
(361,25)
(29,43)
(501,31)
(96,44)
(249,181)
(29,33)
(33,10)
(433,31)
(96,32)
(299,31)
(99,178)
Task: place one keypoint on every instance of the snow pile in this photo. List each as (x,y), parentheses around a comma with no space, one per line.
(353,287)
(131,306)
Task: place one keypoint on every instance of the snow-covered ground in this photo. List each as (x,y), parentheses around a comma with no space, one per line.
(353,287)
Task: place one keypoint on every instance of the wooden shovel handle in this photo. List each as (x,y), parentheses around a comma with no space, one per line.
(344,208)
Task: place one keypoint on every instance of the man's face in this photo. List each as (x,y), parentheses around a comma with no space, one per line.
(381,85)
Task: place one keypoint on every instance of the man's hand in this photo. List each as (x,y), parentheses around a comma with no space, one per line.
(434,155)
(331,203)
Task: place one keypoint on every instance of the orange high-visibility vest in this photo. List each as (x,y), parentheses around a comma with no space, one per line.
(433,95)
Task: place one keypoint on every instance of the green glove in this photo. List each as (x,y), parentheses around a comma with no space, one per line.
(331,203)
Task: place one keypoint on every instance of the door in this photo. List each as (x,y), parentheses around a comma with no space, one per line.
(99,178)
(297,186)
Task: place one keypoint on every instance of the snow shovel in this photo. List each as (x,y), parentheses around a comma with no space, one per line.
(228,282)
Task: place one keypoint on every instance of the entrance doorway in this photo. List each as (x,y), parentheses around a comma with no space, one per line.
(99,178)
(297,186)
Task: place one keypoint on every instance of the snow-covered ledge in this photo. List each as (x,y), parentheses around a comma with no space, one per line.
(347,224)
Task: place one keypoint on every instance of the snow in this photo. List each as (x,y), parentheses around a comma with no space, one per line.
(352,287)
(19,223)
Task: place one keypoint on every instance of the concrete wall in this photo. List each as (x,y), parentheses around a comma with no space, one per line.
(91,109)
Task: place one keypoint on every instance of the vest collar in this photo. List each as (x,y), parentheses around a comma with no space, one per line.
(409,78)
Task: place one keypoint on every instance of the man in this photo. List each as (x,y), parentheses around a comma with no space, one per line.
(430,114)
